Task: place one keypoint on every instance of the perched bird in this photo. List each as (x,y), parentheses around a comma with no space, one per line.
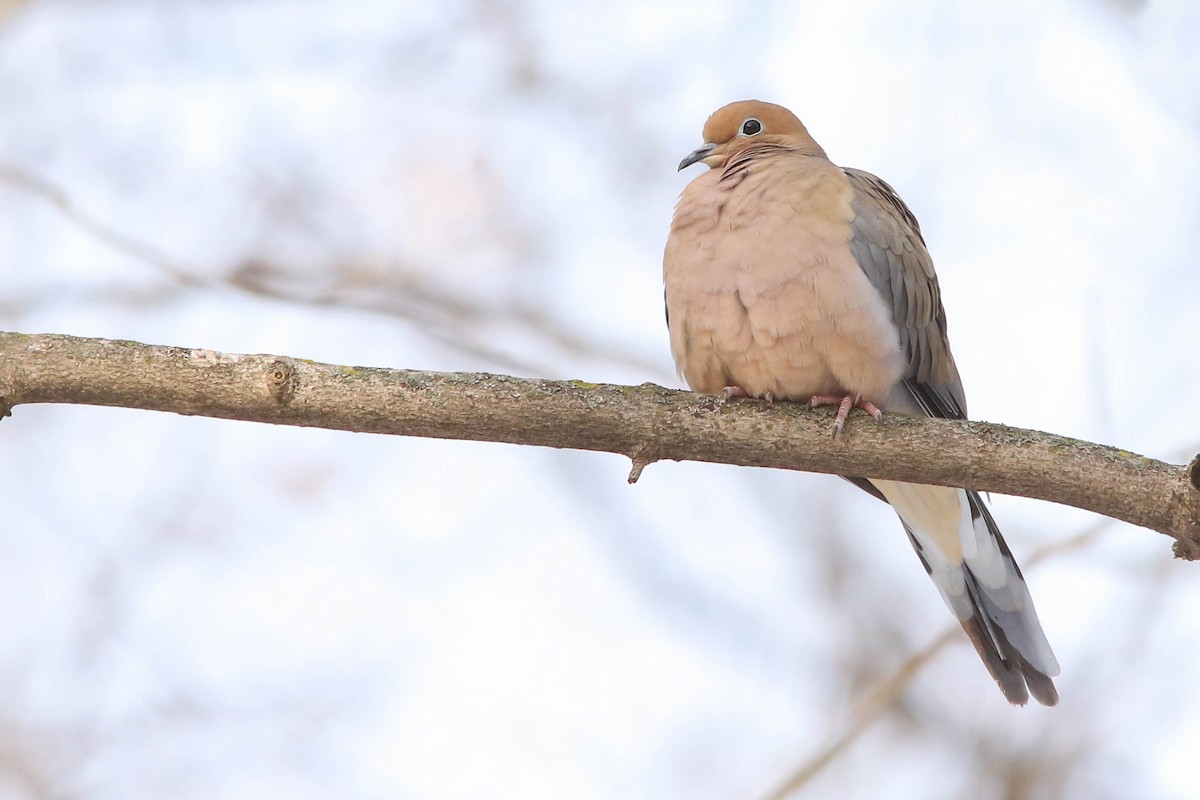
(788,277)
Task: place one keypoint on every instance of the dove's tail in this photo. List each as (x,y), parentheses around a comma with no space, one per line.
(987,593)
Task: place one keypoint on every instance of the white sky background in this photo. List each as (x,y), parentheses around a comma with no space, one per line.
(196,608)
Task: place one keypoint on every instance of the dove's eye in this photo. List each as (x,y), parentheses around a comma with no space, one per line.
(751,127)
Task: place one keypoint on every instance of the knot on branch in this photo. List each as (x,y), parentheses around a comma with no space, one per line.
(1186,550)
(641,457)
(1194,473)
(281,380)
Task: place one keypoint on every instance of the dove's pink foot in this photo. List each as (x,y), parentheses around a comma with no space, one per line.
(730,392)
(844,405)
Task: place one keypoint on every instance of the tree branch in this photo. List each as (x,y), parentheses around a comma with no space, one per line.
(646,423)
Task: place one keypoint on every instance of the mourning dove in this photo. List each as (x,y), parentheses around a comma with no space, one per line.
(788,277)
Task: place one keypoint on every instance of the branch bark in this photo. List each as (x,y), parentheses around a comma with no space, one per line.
(646,423)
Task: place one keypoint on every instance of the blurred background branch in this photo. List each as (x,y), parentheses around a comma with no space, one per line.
(380,288)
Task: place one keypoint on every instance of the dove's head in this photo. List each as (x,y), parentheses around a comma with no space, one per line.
(748,123)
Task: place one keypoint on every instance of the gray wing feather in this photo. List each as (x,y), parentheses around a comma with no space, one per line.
(888,246)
